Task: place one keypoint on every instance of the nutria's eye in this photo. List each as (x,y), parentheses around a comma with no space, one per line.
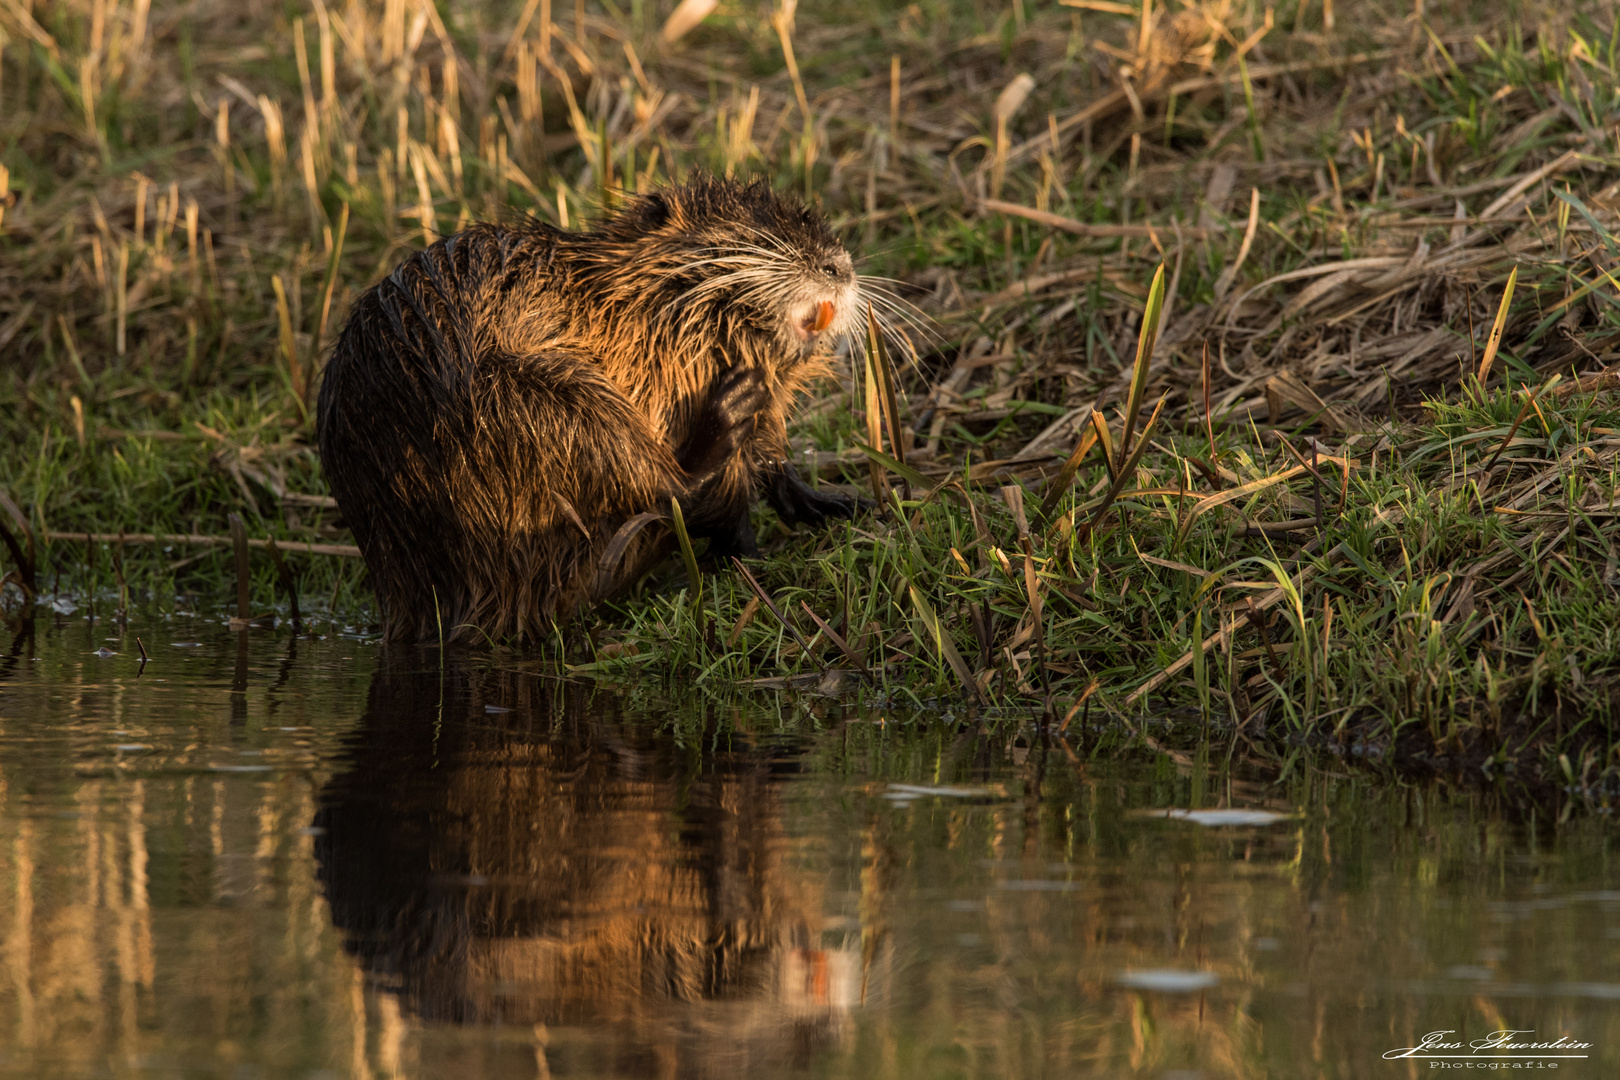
(831,270)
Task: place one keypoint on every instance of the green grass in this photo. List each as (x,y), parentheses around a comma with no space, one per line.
(163,313)
(1415,622)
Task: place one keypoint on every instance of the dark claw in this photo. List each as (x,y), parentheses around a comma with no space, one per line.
(797,503)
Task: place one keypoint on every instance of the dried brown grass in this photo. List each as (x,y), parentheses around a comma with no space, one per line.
(179,174)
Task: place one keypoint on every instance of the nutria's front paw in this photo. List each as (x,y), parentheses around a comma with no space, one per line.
(797,503)
(725,422)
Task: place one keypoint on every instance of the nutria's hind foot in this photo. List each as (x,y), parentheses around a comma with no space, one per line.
(738,539)
(797,503)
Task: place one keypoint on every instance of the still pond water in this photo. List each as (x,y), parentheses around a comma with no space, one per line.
(263,857)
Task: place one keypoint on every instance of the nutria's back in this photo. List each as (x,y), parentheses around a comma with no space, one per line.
(510,399)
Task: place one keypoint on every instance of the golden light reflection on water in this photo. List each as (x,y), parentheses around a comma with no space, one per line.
(312,860)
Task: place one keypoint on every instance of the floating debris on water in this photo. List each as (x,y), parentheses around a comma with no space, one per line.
(1212,818)
(1168,980)
(904,793)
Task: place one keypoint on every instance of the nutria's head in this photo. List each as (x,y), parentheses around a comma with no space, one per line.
(718,254)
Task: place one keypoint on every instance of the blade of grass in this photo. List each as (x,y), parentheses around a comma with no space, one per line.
(1099,424)
(687,15)
(1145,340)
(239,541)
(1257,619)
(749,610)
(874,427)
(980,618)
(1013,496)
(692,574)
(289,344)
(885,379)
(1580,208)
(1065,476)
(1220,498)
(881,460)
(116,551)
(943,645)
(1223,284)
(1037,615)
(1256,141)
(1209,421)
(1311,467)
(284,575)
(1079,703)
(1495,339)
(834,637)
(770,605)
(1126,469)
(332,264)
(1200,671)
(1524,411)
(608,566)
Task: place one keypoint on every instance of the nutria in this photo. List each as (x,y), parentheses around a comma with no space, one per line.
(499,407)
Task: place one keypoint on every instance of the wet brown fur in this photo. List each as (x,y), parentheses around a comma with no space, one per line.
(507,381)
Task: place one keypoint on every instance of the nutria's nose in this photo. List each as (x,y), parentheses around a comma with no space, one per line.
(819,319)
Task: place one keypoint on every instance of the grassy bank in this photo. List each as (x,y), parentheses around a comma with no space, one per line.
(1336,492)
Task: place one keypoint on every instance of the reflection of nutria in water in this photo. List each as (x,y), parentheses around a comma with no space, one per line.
(553,864)
(498,407)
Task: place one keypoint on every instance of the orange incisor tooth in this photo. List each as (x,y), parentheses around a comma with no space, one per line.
(824,316)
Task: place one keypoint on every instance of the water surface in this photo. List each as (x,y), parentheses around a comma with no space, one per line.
(274,857)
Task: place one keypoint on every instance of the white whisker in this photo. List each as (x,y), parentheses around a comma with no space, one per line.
(896,318)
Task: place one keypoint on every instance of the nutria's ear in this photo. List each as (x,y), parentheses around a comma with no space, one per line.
(654,210)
